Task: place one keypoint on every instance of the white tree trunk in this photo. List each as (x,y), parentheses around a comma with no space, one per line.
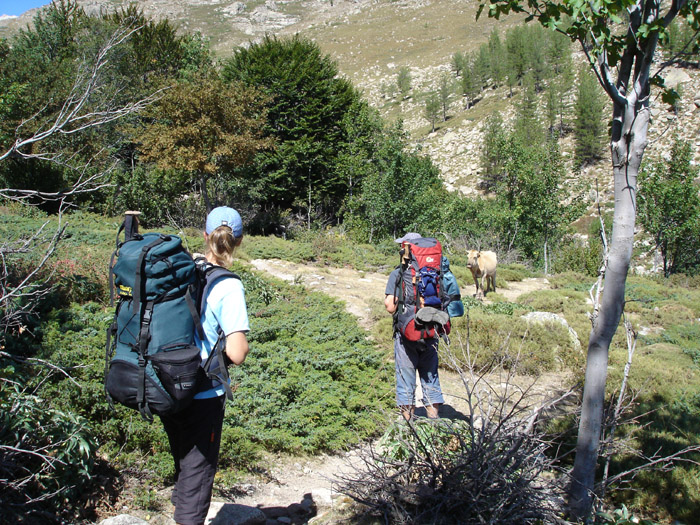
(628,144)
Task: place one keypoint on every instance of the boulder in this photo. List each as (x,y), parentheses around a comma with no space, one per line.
(543,317)
(226,513)
(322,497)
(674,77)
(123,519)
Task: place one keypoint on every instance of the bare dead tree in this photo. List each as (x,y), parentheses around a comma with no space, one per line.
(32,454)
(78,113)
(81,111)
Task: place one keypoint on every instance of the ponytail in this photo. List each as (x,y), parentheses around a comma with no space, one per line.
(221,243)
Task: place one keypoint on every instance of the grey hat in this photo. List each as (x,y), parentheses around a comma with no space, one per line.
(429,315)
(410,236)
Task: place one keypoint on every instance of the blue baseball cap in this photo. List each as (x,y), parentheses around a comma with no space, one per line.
(225,216)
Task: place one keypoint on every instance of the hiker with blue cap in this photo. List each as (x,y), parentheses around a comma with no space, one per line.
(195,433)
(412,356)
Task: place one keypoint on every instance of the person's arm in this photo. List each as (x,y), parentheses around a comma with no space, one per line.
(390,303)
(236,347)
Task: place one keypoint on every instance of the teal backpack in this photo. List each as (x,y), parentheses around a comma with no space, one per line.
(455,308)
(152,363)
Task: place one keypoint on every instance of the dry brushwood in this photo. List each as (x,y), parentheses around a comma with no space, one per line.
(490,467)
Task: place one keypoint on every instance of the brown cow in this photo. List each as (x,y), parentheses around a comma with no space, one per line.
(483,266)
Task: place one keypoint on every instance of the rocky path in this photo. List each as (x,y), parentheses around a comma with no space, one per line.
(297,488)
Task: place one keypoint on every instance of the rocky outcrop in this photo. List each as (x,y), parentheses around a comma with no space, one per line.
(548,317)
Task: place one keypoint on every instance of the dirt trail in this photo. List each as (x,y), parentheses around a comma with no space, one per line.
(363,293)
(290,481)
(360,290)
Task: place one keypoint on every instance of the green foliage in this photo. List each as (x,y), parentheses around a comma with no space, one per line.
(669,209)
(432,109)
(621,516)
(311,382)
(323,247)
(527,50)
(403,81)
(499,336)
(481,222)
(680,42)
(400,441)
(514,272)
(403,192)
(47,454)
(445,92)
(589,127)
(50,62)
(527,128)
(492,159)
(205,128)
(328,379)
(534,190)
(576,255)
(308,103)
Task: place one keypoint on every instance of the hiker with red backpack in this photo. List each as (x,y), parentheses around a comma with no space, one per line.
(414,296)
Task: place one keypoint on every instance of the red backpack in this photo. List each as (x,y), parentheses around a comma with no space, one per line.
(421,311)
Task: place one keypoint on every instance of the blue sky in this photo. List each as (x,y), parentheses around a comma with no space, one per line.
(17,7)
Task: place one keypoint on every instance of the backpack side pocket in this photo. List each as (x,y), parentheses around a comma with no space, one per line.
(179,368)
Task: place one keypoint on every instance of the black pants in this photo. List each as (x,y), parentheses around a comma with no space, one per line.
(195,436)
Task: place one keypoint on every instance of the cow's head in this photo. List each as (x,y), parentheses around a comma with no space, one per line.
(473,258)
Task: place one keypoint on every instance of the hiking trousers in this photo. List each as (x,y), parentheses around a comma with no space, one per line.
(195,436)
(412,357)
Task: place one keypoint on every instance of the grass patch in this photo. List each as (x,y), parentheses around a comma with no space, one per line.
(498,334)
(327,247)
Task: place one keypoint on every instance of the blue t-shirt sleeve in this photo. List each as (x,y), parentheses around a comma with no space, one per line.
(227,301)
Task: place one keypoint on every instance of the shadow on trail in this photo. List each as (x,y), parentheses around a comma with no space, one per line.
(295,513)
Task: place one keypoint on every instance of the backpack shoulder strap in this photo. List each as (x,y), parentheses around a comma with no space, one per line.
(216,366)
(211,274)
(399,294)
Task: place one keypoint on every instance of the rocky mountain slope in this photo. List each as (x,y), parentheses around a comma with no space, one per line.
(372,39)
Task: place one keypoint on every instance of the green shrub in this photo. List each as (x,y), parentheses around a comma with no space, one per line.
(556,301)
(578,256)
(47,456)
(326,247)
(513,272)
(275,248)
(312,381)
(501,338)
(621,516)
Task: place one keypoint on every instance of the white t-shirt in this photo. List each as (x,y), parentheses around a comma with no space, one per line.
(224,307)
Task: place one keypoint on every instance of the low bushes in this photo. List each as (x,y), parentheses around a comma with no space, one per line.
(312,383)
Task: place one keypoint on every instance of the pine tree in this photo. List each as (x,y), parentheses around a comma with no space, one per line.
(403,82)
(481,67)
(432,109)
(459,62)
(470,87)
(445,93)
(492,157)
(527,124)
(669,209)
(589,130)
(497,58)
